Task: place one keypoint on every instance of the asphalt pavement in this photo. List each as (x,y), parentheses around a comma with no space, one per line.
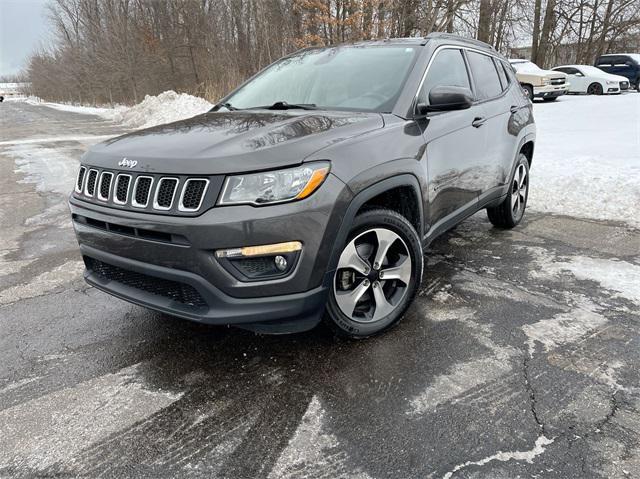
(519,358)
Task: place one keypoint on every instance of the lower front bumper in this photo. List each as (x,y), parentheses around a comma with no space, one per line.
(164,289)
(547,93)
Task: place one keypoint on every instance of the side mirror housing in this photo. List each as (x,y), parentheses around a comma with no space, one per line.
(448,98)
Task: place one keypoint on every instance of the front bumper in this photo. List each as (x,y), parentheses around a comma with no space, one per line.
(550,91)
(152,259)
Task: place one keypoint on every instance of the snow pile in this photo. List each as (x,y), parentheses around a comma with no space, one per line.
(153,110)
(587,158)
(164,108)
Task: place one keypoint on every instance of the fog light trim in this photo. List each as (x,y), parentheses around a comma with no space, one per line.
(262,250)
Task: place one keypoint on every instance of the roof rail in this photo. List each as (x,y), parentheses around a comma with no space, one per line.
(451,36)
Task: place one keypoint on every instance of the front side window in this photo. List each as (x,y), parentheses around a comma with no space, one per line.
(447,69)
(485,76)
(366,78)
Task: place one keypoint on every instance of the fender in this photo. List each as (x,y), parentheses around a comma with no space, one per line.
(357,202)
(525,139)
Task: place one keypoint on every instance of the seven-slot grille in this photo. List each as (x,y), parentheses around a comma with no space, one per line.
(153,193)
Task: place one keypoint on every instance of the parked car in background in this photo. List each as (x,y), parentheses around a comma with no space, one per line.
(310,191)
(592,81)
(539,83)
(623,64)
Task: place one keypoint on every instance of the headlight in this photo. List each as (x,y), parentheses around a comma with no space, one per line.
(609,82)
(277,186)
(546,81)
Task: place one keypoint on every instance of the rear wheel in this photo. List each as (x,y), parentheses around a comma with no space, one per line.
(594,89)
(510,212)
(378,274)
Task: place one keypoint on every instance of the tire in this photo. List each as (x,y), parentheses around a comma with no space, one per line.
(361,302)
(553,98)
(509,213)
(594,89)
(529,90)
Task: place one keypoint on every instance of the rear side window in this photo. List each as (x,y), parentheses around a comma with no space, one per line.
(447,69)
(485,76)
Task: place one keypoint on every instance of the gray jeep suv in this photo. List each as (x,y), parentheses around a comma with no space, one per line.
(310,191)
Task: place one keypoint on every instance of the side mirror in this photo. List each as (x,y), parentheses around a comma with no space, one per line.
(446,98)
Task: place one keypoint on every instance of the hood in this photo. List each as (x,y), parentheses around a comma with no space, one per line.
(552,74)
(610,77)
(232,142)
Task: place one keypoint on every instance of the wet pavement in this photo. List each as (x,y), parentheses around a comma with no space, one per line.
(519,357)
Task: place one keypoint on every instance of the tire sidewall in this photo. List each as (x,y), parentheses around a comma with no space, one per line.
(522,160)
(380,218)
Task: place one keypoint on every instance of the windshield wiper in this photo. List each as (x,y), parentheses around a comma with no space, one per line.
(283,105)
(228,106)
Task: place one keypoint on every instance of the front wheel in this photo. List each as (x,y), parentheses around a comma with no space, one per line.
(377,277)
(594,89)
(510,212)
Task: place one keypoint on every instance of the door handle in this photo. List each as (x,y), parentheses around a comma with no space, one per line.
(478,121)
(514,108)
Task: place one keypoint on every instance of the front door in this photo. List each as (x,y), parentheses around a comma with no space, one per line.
(453,144)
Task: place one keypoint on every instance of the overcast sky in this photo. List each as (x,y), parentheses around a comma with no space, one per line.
(23,27)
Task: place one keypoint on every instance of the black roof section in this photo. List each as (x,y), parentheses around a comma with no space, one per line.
(458,38)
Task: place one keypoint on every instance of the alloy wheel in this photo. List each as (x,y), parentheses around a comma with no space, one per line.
(594,89)
(519,191)
(373,275)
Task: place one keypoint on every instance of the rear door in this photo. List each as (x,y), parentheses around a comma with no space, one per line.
(496,101)
(454,146)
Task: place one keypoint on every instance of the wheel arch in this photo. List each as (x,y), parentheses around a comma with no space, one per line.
(368,197)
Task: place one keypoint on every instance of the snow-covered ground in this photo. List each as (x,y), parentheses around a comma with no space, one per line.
(587,158)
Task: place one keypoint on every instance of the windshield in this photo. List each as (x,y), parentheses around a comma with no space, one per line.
(344,78)
(588,70)
(525,67)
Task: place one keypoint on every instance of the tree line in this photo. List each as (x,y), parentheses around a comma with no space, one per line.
(117,51)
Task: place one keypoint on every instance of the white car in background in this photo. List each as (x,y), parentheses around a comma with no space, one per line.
(592,80)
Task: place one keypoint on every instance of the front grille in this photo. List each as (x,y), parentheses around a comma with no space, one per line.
(174,290)
(105,186)
(624,85)
(91,182)
(148,192)
(80,180)
(165,193)
(141,191)
(122,189)
(557,81)
(192,194)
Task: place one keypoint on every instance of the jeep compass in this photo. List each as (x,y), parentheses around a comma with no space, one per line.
(309,193)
